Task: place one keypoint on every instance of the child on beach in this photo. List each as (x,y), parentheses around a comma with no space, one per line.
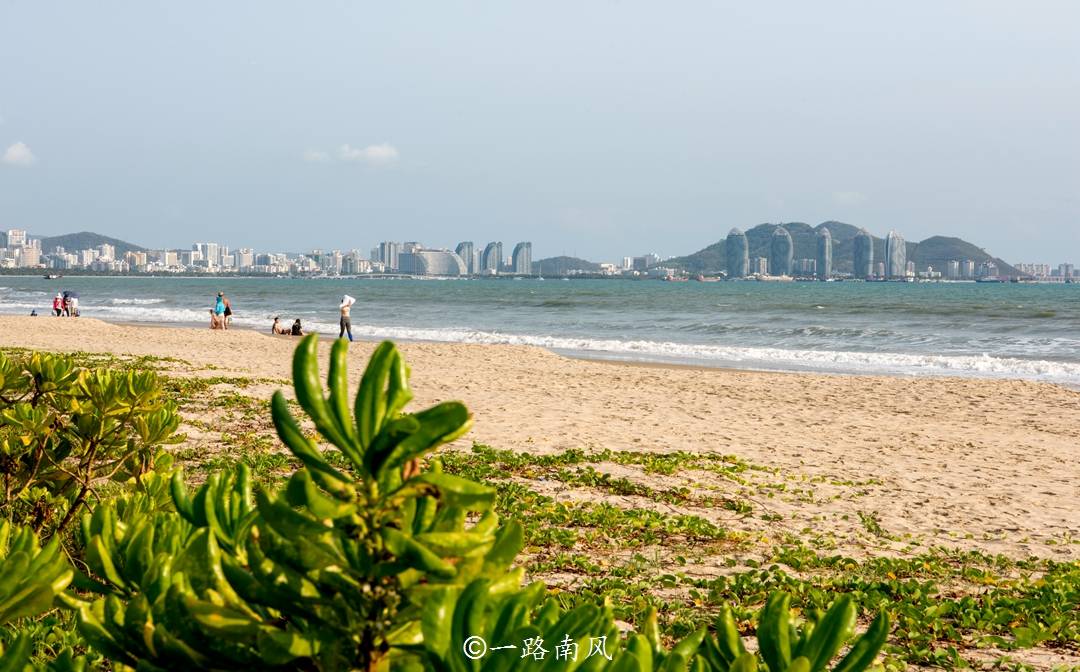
(346,323)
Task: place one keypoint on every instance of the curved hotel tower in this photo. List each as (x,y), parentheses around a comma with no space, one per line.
(864,255)
(522,259)
(781,252)
(895,256)
(465,251)
(824,254)
(491,260)
(738,254)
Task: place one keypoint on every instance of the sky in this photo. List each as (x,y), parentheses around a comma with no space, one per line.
(597,129)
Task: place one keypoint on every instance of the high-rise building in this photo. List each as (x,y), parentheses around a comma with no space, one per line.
(627,263)
(952,271)
(824,254)
(16,238)
(738,254)
(863,248)
(388,254)
(895,255)
(521,261)
(759,265)
(781,252)
(489,261)
(465,251)
(106,252)
(909,269)
(244,258)
(1066,270)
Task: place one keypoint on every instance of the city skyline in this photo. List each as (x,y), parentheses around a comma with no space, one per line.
(20,249)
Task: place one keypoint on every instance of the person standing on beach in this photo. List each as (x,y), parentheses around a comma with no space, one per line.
(58,304)
(346,322)
(228,310)
(219,310)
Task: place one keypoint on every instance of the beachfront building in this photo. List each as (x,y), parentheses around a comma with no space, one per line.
(759,266)
(422,261)
(952,270)
(782,251)
(895,255)
(738,254)
(389,252)
(864,255)
(491,259)
(824,254)
(521,262)
(804,268)
(464,250)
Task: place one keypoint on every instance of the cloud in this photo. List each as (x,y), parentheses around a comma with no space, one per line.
(848,197)
(373,154)
(315,156)
(18,155)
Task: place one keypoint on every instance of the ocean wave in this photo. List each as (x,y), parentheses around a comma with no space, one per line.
(135,302)
(837,361)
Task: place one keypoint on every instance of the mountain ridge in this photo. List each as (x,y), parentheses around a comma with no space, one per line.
(85,240)
(934,251)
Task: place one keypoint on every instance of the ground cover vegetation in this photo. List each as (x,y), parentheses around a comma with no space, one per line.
(320,532)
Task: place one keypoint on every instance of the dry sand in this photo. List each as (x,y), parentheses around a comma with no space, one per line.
(991,465)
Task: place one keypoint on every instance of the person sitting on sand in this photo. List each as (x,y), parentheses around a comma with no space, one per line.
(277,329)
(215,320)
(297,330)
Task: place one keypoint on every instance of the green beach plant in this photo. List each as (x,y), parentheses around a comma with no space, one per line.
(370,557)
(66,430)
(31,577)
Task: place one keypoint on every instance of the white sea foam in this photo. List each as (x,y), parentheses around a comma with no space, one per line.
(135,302)
(749,357)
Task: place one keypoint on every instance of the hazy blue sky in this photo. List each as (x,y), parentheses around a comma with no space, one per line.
(591,128)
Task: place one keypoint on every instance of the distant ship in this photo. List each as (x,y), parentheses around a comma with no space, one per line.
(52,276)
(992,278)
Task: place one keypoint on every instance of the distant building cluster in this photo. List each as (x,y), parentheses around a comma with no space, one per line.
(1044,273)
(21,251)
(466,259)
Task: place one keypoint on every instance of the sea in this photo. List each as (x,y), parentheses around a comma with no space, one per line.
(986,330)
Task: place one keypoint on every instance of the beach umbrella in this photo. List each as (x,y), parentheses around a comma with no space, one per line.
(71,295)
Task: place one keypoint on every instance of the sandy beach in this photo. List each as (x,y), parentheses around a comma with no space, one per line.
(973,464)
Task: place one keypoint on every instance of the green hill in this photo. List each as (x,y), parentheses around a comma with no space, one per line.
(564,265)
(86,240)
(935,251)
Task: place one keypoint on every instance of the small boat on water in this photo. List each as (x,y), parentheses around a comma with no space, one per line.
(52,276)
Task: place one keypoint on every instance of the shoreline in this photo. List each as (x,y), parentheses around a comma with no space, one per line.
(972,464)
(657,360)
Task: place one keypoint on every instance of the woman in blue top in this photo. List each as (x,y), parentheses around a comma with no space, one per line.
(219,310)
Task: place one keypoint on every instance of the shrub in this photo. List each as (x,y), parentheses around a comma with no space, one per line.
(65,430)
